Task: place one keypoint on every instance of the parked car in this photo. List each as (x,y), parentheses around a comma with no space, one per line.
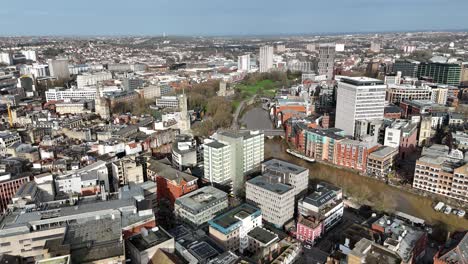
(448,209)
(461,213)
(439,206)
(455,211)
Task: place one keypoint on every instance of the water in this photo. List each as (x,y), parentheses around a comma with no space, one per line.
(368,190)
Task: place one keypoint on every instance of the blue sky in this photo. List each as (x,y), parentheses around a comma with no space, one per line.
(223,17)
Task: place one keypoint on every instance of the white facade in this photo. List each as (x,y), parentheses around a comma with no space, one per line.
(30,54)
(6,58)
(243,63)
(275,200)
(392,137)
(359,98)
(84,80)
(59,68)
(266,58)
(217,162)
(339,47)
(70,94)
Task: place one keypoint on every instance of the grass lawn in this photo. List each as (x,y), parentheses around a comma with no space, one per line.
(250,90)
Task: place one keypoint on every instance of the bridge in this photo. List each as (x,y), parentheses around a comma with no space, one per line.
(268,132)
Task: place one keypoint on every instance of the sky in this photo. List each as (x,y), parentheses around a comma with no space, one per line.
(228,17)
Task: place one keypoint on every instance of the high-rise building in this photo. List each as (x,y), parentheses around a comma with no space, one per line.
(58,68)
(266,58)
(326,60)
(439,95)
(359,98)
(243,63)
(6,58)
(30,54)
(287,173)
(231,155)
(444,73)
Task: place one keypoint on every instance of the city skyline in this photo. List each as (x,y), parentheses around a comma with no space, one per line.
(241,18)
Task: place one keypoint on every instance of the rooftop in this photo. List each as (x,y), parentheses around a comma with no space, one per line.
(231,220)
(153,238)
(169,173)
(201,199)
(362,81)
(371,252)
(263,183)
(282,166)
(383,152)
(323,194)
(264,236)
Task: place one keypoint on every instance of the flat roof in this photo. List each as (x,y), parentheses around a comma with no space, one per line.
(154,237)
(230,220)
(383,152)
(322,195)
(215,144)
(263,183)
(283,166)
(201,199)
(361,81)
(262,235)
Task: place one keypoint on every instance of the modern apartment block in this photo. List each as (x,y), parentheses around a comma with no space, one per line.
(320,143)
(444,73)
(325,204)
(231,228)
(243,63)
(407,68)
(443,172)
(59,69)
(353,154)
(402,134)
(91,79)
(288,173)
(200,206)
(266,58)
(217,162)
(359,98)
(231,155)
(326,60)
(276,200)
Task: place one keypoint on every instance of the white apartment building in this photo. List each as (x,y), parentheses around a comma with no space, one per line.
(6,58)
(275,200)
(243,63)
(266,58)
(91,79)
(217,161)
(231,155)
(326,62)
(30,54)
(439,95)
(359,98)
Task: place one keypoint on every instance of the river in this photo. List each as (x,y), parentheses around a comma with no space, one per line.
(383,196)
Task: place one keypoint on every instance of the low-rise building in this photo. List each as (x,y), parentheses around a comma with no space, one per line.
(143,246)
(262,242)
(200,206)
(441,171)
(325,204)
(231,228)
(381,161)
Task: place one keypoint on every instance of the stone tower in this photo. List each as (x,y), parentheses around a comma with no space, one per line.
(184,123)
(100,104)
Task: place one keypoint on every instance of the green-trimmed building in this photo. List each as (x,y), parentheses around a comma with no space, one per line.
(444,73)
